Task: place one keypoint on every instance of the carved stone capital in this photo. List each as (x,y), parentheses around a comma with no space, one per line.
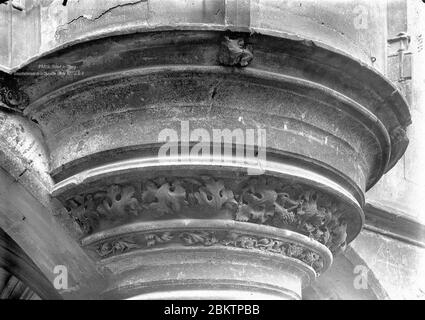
(267,201)
(399,143)
(161,224)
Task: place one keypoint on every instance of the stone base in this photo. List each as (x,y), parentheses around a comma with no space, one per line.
(207,259)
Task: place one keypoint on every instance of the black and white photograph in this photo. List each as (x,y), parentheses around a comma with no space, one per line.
(207,156)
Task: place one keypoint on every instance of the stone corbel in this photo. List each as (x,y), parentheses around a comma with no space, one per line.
(235,52)
(12,98)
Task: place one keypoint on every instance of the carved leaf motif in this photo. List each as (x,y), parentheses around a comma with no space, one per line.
(283,216)
(325,236)
(308,207)
(310,257)
(287,202)
(166,199)
(153,239)
(294,250)
(83,210)
(76,206)
(321,234)
(208,238)
(248,213)
(104,249)
(246,242)
(116,246)
(261,197)
(270,245)
(260,204)
(244,213)
(214,195)
(124,245)
(149,194)
(119,201)
(265,201)
(202,237)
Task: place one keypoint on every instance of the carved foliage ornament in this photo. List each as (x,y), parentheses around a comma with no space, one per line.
(267,201)
(117,246)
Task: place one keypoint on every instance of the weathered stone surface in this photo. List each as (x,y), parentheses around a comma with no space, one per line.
(24,156)
(19,276)
(229,256)
(97,85)
(353,27)
(34,229)
(283,74)
(267,201)
(398,266)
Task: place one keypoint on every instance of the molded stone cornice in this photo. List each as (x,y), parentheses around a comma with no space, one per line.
(394,224)
(209,233)
(63,26)
(70,109)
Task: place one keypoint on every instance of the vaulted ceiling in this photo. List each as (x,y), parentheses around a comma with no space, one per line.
(19,277)
(13,288)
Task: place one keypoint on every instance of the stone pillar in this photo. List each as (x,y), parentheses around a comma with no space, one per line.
(306,126)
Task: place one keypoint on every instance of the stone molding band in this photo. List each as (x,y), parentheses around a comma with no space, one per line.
(273,79)
(269,167)
(359,113)
(210,233)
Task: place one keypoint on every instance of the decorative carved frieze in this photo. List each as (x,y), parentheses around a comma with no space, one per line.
(111,247)
(235,52)
(267,201)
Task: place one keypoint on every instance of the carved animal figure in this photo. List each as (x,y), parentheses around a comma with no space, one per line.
(285,200)
(308,206)
(234,52)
